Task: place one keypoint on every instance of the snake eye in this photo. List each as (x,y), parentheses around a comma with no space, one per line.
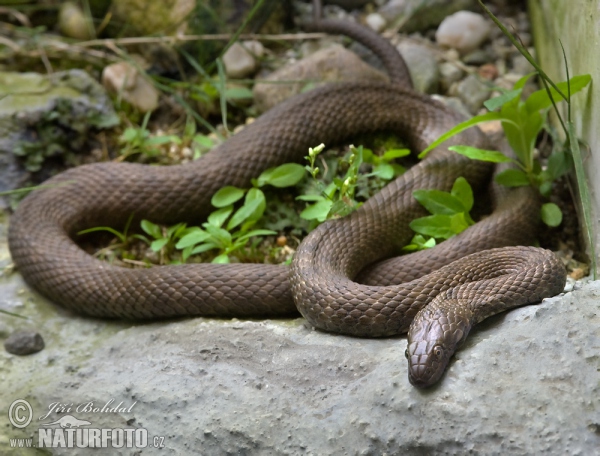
(438,351)
(406,353)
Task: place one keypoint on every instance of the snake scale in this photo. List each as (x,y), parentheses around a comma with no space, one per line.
(343,277)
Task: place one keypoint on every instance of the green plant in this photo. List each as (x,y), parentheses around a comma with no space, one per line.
(337,198)
(572,143)
(522,121)
(138,140)
(450,215)
(227,230)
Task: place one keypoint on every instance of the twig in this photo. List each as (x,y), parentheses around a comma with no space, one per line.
(215,37)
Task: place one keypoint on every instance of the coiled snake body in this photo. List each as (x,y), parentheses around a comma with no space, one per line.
(321,282)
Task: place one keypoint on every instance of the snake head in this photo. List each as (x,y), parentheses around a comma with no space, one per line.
(433,337)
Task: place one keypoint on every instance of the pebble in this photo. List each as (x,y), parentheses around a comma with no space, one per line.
(334,63)
(124,79)
(478,57)
(472,92)
(521,65)
(375,21)
(24,343)
(464,31)
(72,22)
(449,74)
(422,66)
(488,71)
(239,62)
(454,103)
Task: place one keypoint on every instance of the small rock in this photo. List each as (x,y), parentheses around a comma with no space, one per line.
(422,65)
(124,79)
(464,31)
(472,92)
(254,47)
(239,63)
(577,274)
(334,63)
(449,74)
(454,103)
(488,71)
(420,15)
(24,343)
(478,57)
(72,22)
(521,65)
(375,21)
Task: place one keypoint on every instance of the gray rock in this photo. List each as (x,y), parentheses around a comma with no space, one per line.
(478,57)
(24,343)
(239,62)
(422,65)
(525,382)
(521,65)
(420,15)
(454,103)
(375,21)
(47,115)
(449,74)
(464,31)
(334,63)
(473,93)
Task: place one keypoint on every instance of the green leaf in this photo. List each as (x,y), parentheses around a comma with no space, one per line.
(255,199)
(458,223)
(461,127)
(204,248)
(540,100)
(480,154)
(559,163)
(203,141)
(175,230)
(119,235)
(438,226)
(521,82)
(463,192)
(286,175)
(545,188)
(256,233)
(221,259)
(439,202)
(514,126)
(237,93)
(339,209)
(317,211)
(395,153)
(419,242)
(226,196)
(551,214)
(151,229)
(220,236)
(193,238)
(159,140)
(311,198)
(512,178)
(384,171)
(368,156)
(494,103)
(158,244)
(218,217)
(132,134)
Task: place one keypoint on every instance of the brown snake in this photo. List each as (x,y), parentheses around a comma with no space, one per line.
(321,282)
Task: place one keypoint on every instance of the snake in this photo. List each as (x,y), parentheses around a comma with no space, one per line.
(346,276)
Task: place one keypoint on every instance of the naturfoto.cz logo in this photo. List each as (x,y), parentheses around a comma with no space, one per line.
(68,431)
